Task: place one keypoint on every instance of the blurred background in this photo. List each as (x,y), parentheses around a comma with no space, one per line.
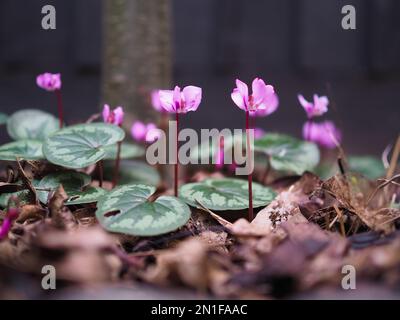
(116,51)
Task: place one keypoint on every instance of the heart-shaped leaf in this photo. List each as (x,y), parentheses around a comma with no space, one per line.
(24,149)
(31,124)
(137,215)
(225,194)
(89,195)
(128,151)
(287,153)
(81,145)
(132,172)
(73,183)
(3,118)
(370,167)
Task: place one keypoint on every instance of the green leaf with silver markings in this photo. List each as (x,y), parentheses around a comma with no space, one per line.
(73,183)
(225,194)
(89,195)
(81,145)
(24,149)
(137,215)
(31,124)
(287,153)
(368,166)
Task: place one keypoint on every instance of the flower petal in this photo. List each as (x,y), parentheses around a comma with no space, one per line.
(138,131)
(106,112)
(167,100)
(155,101)
(302,101)
(243,89)
(238,99)
(192,96)
(118,116)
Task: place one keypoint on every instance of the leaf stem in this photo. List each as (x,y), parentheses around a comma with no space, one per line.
(176,164)
(117,163)
(249,176)
(60,107)
(100,167)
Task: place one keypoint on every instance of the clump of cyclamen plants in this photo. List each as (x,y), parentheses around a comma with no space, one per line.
(263,99)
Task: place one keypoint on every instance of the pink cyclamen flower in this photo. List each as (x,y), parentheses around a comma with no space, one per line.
(11,215)
(115,116)
(316,108)
(177,101)
(324,134)
(262,97)
(49,81)
(144,132)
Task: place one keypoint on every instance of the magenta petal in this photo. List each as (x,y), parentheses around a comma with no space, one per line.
(177,99)
(192,96)
(167,100)
(138,131)
(238,99)
(155,101)
(243,89)
(302,101)
(118,116)
(259,91)
(106,112)
(320,105)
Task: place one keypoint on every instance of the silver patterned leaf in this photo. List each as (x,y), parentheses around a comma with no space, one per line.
(225,194)
(31,124)
(81,145)
(131,212)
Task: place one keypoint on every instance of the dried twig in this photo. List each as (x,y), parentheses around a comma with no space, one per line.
(26,182)
(340,215)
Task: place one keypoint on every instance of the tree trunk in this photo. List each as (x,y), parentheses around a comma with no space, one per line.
(136,54)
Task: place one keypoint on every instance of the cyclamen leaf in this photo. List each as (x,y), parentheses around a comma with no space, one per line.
(24,149)
(73,182)
(225,194)
(287,153)
(137,215)
(128,151)
(370,167)
(81,145)
(89,195)
(31,124)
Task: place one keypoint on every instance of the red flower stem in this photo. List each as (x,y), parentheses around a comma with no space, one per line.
(176,164)
(117,163)
(60,107)
(309,124)
(250,176)
(100,166)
